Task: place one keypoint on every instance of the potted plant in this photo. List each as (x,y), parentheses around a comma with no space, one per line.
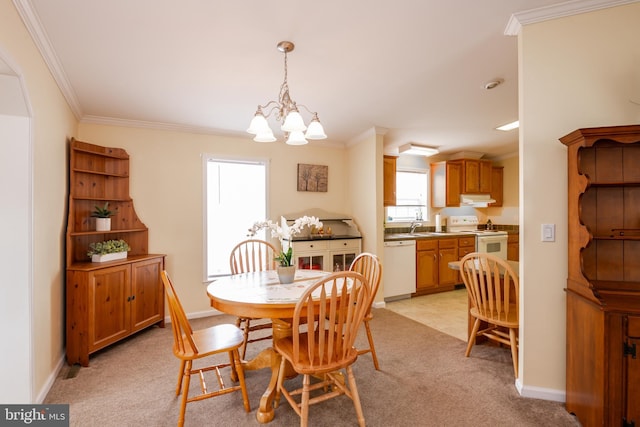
(108,250)
(286,269)
(103,217)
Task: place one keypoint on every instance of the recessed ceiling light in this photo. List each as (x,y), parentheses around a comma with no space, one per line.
(509,126)
(417,150)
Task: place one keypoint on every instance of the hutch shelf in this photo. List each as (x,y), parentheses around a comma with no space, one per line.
(106,301)
(603,287)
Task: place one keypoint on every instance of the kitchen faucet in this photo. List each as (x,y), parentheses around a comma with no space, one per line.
(414,225)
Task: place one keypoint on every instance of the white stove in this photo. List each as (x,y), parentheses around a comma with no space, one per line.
(489,241)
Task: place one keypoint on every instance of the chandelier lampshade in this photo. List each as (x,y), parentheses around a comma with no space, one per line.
(287,112)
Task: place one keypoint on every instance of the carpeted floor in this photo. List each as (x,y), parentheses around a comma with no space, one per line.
(425,380)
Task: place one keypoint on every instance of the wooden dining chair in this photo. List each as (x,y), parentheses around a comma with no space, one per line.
(369,266)
(252,255)
(493,290)
(190,345)
(322,348)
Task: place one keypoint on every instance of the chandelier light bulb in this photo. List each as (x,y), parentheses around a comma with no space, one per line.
(297,138)
(315,129)
(265,136)
(293,122)
(258,124)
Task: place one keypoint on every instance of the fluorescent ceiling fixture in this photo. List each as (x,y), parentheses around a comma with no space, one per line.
(417,150)
(509,126)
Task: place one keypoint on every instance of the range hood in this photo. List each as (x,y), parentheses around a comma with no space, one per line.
(476,200)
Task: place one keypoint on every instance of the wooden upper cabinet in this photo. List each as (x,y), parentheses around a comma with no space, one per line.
(446,182)
(389,181)
(497,185)
(476,177)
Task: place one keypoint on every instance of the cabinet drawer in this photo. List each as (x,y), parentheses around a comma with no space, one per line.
(513,238)
(447,243)
(310,246)
(465,250)
(346,244)
(426,245)
(467,241)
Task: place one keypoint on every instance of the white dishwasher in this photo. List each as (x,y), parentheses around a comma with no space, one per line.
(399,271)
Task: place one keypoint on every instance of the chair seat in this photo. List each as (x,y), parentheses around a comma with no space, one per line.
(510,320)
(214,339)
(284,346)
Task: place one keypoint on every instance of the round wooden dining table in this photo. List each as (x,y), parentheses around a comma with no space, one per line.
(261,295)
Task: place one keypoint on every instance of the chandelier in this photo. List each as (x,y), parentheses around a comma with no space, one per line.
(286,111)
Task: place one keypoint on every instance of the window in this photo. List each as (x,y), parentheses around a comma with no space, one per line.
(411,197)
(235,198)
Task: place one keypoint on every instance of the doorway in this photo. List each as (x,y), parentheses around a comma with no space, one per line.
(16,296)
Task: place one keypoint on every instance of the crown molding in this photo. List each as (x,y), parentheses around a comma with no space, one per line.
(40,38)
(574,7)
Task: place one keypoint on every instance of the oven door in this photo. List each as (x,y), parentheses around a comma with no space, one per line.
(494,245)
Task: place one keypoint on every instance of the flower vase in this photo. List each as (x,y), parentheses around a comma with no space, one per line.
(286,273)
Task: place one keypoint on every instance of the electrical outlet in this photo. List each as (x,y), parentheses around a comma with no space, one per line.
(548,232)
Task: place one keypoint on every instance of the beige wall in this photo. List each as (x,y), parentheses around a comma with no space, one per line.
(51,125)
(167,183)
(574,72)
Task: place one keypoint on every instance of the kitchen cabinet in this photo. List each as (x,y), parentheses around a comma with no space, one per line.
(432,265)
(108,301)
(603,284)
(466,245)
(513,247)
(389,177)
(426,265)
(446,184)
(476,176)
(497,185)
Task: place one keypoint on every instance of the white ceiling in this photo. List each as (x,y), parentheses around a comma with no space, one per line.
(416,68)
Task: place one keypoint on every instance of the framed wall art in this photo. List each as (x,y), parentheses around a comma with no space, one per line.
(313,177)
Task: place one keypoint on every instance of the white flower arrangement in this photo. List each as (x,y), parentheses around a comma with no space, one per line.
(285,258)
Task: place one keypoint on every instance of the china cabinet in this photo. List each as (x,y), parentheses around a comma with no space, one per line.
(603,284)
(106,301)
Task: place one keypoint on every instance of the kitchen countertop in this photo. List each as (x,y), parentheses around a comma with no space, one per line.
(423,235)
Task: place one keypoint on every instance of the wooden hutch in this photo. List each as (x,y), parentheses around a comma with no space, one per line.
(106,301)
(603,287)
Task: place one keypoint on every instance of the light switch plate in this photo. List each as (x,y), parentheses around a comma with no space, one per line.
(548,232)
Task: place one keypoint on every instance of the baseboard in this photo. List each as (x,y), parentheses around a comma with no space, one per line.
(540,392)
(44,391)
(379,304)
(197,315)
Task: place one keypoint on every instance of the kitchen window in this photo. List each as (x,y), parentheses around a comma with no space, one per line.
(411,197)
(235,194)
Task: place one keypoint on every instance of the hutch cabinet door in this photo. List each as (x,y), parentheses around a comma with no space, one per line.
(108,306)
(147,296)
(633,371)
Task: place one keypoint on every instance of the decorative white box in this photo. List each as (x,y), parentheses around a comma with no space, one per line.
(109,257)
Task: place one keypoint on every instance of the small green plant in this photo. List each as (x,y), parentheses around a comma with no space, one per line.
(102,212)
(108,247)
(284,258)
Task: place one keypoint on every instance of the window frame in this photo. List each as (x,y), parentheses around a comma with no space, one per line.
(210,157)
(425,218)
